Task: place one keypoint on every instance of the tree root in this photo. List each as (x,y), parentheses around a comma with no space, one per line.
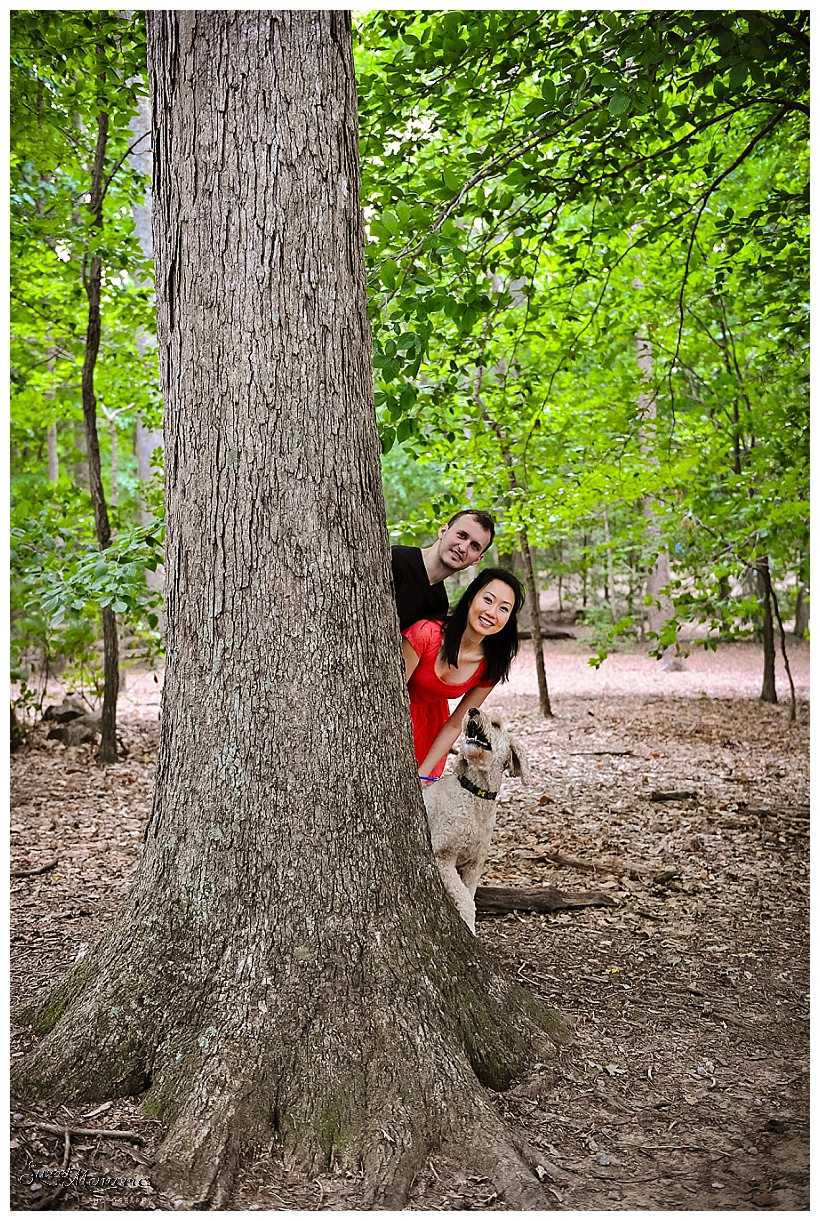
(376,1077)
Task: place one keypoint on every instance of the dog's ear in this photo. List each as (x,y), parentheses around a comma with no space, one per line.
(518,762)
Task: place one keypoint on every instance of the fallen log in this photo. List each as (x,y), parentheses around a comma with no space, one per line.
(681,796)
(782,811)
(537,898)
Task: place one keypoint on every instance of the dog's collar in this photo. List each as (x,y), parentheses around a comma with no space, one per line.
(473,788)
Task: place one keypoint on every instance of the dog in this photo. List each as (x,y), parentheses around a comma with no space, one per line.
(461,806)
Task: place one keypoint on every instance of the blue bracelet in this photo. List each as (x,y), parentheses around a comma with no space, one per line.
(429,777)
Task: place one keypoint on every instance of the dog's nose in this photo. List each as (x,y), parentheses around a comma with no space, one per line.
(472,712)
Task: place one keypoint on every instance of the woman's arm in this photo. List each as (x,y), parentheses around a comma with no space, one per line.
(411,658)
(451,728)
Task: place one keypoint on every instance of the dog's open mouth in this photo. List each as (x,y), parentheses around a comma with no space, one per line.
(477,739)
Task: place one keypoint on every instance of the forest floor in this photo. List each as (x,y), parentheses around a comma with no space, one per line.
(687,1086)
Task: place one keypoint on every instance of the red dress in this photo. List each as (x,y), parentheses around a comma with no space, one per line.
(428,694)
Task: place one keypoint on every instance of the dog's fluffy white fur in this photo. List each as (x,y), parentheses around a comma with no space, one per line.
(461,822)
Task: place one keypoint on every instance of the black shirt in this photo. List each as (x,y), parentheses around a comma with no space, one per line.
(416,598)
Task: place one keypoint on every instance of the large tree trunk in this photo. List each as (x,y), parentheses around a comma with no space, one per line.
(287,963)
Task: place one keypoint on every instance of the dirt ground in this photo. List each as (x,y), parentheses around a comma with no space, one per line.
(687,1086)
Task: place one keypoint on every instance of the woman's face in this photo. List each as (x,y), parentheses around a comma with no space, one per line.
(491,608)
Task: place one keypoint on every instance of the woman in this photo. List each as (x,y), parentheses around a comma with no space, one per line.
(466,656)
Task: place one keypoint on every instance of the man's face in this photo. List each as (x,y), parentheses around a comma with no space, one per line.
(462,544)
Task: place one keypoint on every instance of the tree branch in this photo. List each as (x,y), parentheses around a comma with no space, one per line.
(738,161)
(494,166)
(127,153)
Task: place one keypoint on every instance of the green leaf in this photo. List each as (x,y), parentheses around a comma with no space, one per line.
(388,273)
(738,74)
(619,103)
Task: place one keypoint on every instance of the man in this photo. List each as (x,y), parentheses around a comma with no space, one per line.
(419,572)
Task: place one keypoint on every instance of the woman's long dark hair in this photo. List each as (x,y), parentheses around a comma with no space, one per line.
(501,648)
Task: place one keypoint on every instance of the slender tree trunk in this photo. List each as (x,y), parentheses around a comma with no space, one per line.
(534,598)
(633,569)
(724,593)
(147,440)
(662,608)
(81,455)
(53,456)
(767,573)
(115,456)
(768,691)
(146,443)
(93,287)
(51,432)
(801,613)
(609,587)
(287,964)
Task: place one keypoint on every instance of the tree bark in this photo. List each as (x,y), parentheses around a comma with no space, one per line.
(287,963)
(768,691)
(93,288)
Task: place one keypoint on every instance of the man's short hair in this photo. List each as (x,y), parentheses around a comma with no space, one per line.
(484,520)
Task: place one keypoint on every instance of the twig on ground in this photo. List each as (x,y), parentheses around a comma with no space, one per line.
(30,873)
(614,867)
(601,752)
(62,1130)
